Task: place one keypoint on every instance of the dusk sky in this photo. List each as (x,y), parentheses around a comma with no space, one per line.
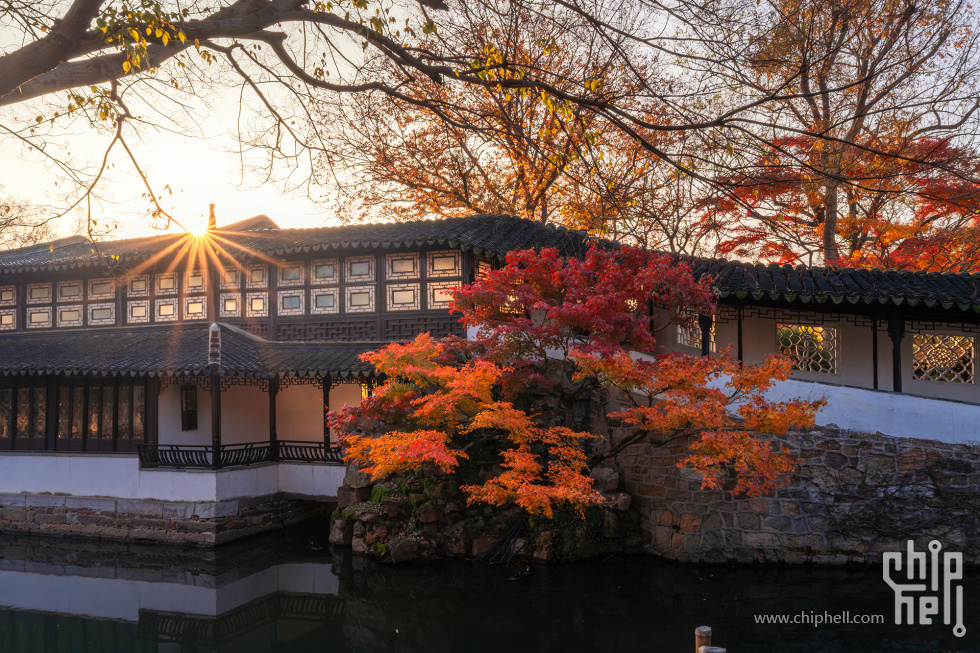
(200,170)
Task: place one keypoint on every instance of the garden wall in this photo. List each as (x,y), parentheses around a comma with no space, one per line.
(855,495)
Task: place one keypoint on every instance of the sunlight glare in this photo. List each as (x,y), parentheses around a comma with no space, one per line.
(198,226)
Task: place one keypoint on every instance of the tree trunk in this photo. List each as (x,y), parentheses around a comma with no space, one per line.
(830,253)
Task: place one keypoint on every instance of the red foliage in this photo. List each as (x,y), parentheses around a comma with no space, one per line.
(568,327)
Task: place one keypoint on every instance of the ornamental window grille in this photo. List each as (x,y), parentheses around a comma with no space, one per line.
(811,348)
(691,336)
(942,358)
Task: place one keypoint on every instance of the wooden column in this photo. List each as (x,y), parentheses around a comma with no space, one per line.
(51,414)
(874,351)
(215,418)
(152,409)
(896,331)
(739,335)
(273,433)
(327,383)
(705,322)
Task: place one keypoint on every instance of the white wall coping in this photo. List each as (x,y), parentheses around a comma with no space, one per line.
(118,476)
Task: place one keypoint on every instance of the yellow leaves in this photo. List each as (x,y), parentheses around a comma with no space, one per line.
(126,66)
(165,38)
(183,37)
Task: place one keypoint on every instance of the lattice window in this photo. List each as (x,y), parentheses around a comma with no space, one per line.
(691,336)
(812,348)
(942,358)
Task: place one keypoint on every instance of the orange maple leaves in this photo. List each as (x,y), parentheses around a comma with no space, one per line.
(564,329)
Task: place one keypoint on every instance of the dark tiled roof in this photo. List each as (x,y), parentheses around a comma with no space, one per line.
(495,235)
(841,286)
(175,350)
(489,235)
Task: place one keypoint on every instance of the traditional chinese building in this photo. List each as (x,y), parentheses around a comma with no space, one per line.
(174,387)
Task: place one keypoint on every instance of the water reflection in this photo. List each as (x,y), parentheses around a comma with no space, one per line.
(289,593)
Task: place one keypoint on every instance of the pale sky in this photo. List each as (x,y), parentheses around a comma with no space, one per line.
(199,170)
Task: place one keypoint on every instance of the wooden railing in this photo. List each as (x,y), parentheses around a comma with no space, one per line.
(199,456)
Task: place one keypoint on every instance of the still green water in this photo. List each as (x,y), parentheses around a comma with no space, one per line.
(291,593)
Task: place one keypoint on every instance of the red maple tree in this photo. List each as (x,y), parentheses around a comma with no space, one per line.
(565,329)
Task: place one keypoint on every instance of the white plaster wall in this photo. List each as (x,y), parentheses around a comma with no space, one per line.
(120,477)
(310,480)
(244,415)
(891,413)
(169,420)
(344,394)
(299,413)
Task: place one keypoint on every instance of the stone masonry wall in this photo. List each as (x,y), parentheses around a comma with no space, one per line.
(141,520)
(854,496)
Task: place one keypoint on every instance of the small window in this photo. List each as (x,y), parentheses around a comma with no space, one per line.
(946,358)
(166,283)
(360,269)
(101,313)
(165,309)
(137,311)
(231,305)
(403,297)
(324,301)
(188,408)
(811,348)
(291,273)
(73,290)
(137,286)
(258,304)
(70,316)
(195,280)
(6,320)
(360,299)
(257,275)
(195,308)
(324,271)
(290,303)
(39,317)
(101,288)
(6,295)
(403,265)
(442,295)
(443,263)
(40,292)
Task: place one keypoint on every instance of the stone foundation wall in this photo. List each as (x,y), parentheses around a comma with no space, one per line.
(854,496)
(143,520)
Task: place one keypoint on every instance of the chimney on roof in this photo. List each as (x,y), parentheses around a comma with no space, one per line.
(212,220)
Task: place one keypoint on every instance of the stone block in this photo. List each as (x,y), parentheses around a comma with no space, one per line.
(358,545)
(429,514)
(15,514)
(605,479)
(145,507)
(177,510)
(44,518)
(689,522)
(45,500)
(542,547)
(101,504)
(356,479)
(404,550)
(482,544)
(13,500)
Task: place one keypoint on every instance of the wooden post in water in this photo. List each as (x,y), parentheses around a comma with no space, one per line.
(702,637)
(702,641)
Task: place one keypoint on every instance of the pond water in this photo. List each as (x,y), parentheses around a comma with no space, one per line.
(291,593)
